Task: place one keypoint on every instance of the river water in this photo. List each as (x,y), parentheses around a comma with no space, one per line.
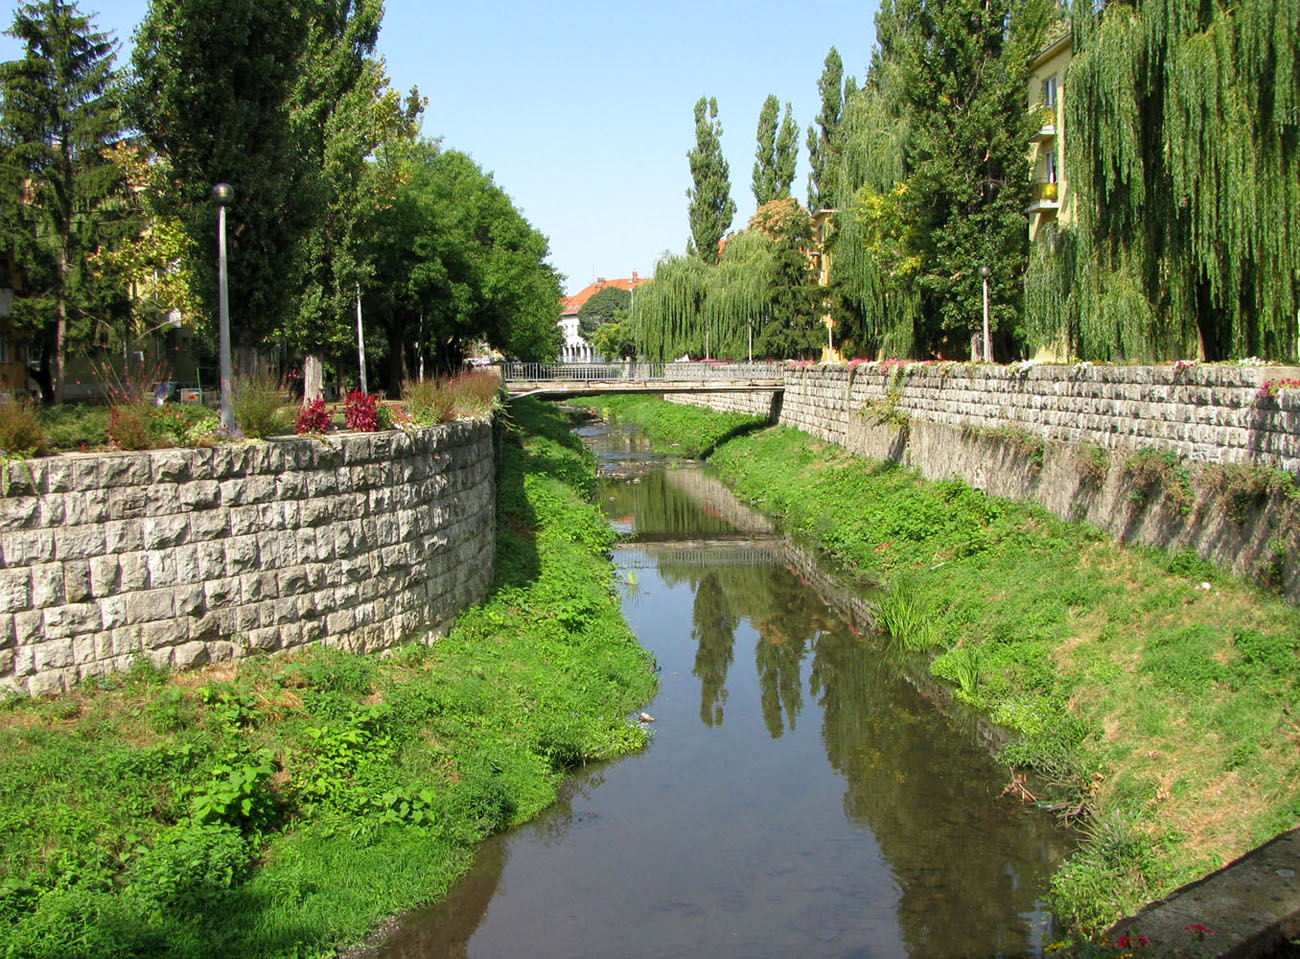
(807,792)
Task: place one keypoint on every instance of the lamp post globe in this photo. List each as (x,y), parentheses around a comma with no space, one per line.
(224,194)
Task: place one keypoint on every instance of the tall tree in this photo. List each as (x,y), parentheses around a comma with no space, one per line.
(929,165)
(776,155)
(821,133)
(343,114)
(711,206)
(59,114)
(456,262)
(212,94)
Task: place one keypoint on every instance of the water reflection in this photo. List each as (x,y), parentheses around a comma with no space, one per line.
(844,807)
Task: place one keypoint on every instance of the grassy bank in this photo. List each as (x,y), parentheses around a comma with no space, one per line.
(289,804)
(1157,697)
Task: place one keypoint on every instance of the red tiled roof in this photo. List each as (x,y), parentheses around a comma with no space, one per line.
(573,304)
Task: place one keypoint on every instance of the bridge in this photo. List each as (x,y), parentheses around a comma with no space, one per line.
(682,376)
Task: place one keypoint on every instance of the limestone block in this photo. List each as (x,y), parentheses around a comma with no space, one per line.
(54,654)
(171,466)
(162,567)
(16,589)
(190,655)
(122,536)
(58,474)
(49,683)
(26,547)
(164,500)
(6,665)
(188,600)
(292,581)
(21,512)
(203,494)
(7,635)
(128,502)
(88,506)
(209,524)
(125,469)
(205,628)
(148,606)
(76,580)
(47,585)
(241,554)
(339,622)
(160,532)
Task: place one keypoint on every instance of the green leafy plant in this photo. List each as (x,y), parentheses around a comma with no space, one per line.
(129,426)
(258,404)
(901,616)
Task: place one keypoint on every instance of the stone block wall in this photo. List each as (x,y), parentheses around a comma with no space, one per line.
(972,421)
(186,557)
(1208,414)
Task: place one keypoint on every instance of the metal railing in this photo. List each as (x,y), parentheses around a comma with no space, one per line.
(675,371)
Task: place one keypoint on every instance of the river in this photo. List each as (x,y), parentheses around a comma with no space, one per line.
(807,792)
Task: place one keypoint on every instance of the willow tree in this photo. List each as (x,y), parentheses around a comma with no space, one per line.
(759,294)
(1184,159)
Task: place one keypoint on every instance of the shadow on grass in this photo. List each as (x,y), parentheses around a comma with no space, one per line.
(744,429)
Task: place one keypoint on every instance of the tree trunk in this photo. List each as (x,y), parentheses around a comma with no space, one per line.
(313,378)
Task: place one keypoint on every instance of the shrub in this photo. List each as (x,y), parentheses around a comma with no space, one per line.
(430,401)
(20,428)
(313,418)
(257,404)
(130,427)
(74,426)
(189,865)
(360,412)
(476,394)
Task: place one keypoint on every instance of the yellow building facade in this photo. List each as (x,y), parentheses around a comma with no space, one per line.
(1051,202)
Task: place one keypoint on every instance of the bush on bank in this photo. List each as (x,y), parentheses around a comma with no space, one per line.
(1157,698)
(287,805)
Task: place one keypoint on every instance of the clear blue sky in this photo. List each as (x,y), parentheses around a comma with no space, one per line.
(583,111)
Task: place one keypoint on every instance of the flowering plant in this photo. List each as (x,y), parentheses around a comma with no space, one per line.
(313,418)
(1272,388)
(360,412)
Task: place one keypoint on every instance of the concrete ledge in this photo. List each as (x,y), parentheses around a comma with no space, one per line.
(1252,905)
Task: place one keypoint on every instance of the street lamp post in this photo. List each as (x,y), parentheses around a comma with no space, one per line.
(988,338)
(224,193)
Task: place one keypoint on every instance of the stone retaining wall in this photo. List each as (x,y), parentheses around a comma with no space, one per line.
(1062,436)
(186,557)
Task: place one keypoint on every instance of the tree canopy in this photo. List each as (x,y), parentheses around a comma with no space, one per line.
(602,307)
(777,153)
(455,263)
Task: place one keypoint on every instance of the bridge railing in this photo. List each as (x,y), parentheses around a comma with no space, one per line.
(673,371)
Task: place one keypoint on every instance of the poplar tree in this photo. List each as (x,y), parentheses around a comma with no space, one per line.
(59,114)
(777,153)
(821,133)
(711,206)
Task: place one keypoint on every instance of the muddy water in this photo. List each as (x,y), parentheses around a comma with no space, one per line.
(806,793)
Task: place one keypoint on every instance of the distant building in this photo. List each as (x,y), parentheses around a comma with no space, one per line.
(1050,202)
(575,348)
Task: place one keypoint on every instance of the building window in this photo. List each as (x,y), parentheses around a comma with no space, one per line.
(1049,166)
(1049,92)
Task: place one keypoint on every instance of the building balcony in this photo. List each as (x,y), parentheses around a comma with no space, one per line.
(1045,197)
(1046,124)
